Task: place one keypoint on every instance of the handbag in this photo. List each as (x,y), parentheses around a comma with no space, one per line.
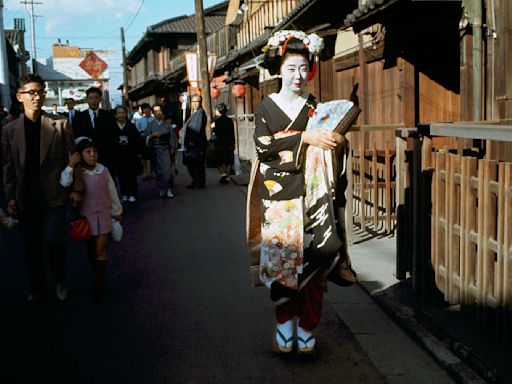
(80,230)
(117,230)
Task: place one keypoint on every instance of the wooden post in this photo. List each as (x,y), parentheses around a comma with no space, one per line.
(349,194)
(125,72)
(401,171)
(362,181)
(203,63)
(375,180)
(387,177)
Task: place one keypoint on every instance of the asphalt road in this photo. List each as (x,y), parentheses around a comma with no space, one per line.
(179,307)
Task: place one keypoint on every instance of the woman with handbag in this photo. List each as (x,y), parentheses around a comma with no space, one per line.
(100,205)
(294,231)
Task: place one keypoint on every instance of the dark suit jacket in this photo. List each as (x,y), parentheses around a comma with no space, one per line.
(56,143)
(74,115)
(195,132)
(102,134)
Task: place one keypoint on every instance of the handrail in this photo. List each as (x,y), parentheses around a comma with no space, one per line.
(469,131)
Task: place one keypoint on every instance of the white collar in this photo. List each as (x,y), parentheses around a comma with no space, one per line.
(121,125)
(291,109)
(96,171)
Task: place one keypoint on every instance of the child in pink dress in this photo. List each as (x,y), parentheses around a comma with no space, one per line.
(100,205)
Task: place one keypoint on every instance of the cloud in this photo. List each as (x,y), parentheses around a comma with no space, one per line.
(78,16)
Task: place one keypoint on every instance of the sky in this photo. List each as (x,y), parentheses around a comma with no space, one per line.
(95,24)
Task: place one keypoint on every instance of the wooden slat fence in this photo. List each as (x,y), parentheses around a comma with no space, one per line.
(244,132)
(373,187)
(472,234)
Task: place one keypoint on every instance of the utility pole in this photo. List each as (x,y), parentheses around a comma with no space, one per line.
(125,71)
(4,64)
(30,11)
(203,63)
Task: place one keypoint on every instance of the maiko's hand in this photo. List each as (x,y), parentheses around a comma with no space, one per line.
(320,138)
(75,199)
(340,139)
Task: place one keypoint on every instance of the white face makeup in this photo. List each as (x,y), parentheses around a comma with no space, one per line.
(294,73)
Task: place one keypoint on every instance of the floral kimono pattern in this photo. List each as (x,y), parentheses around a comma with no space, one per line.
(295,184)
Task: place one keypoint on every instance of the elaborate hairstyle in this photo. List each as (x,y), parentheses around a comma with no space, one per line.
(292,42)
(95,90)
(30,78)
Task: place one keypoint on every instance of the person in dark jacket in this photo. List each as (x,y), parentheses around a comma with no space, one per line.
(195,143)
(224,134)
(96,124)
(127,154)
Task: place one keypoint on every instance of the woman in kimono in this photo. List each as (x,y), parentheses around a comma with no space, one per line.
(294,243)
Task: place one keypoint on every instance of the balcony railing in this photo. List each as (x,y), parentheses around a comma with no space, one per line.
(261,16)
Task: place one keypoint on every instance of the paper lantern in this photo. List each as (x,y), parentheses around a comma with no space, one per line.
(238,90)
(214,92)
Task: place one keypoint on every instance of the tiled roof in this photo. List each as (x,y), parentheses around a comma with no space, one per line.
(364,10)
(187,24)
(214,17)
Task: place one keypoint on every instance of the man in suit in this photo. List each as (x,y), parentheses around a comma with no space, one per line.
(195,143)
(71,111)
(98,125)
(36,147)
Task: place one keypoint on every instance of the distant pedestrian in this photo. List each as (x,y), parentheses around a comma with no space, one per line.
(35,149)
(224,133)
(142,126)
(54,110)
(195,143)
(100,205)
(70,110)
(127,154)
(158,140)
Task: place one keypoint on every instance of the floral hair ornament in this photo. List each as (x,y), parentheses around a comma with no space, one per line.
(312,42)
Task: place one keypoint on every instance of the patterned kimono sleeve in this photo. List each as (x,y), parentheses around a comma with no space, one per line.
(281,150)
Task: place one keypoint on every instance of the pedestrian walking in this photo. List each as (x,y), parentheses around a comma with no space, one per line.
(100,205)
(195,143)
(158,140)
(224,134)
(292,232)
(127,155)
(142,124)
(35,149)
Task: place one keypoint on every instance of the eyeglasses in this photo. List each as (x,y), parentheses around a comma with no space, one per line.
(34,92)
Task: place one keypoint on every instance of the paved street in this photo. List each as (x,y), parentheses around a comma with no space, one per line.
(179,308)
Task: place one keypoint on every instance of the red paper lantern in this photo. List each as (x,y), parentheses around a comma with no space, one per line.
(214,92)
(238,90)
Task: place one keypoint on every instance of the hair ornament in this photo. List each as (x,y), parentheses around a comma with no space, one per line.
(312,42)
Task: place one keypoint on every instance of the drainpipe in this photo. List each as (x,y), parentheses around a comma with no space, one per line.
(477,60)
(4,65)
